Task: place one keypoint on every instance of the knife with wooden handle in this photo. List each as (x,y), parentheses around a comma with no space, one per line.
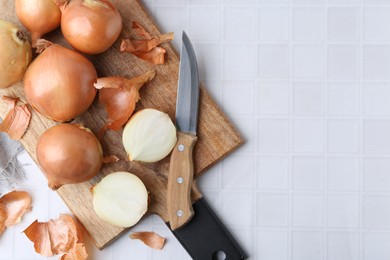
(181,168)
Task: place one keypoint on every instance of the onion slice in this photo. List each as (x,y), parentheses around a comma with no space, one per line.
(150,239)
(13,205)
(57,236)
(17,120)
(119,96)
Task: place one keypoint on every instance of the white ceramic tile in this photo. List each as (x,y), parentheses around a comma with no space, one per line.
(307,210)
(204,23)
(245,236)
(343,98)
(273,97)
(272,244)
(273,61)
(209,61)
(272,209)
(238,2)
(6,244)
(238,172)
(247,129)
(239,61)
(343,61)
(376,211)
(211,180)
(175,19)
(375,98)
(342,245)
(273,135)
(308,135)
(308,24)
(239,24)
(376,245)
(275,2)
(343,136)
(273,172)
(306,245)
(373,29)
(270,18)
(308,98)
(343,24)
(343,173)
(342,210)
(344,2)
(242,100)
(238,204)
(376,61)
(309,2)
(308,61)
(307,173)
(376,136)
(376,175)
(375,2)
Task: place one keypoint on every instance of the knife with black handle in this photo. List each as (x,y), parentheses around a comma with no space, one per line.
(196,226)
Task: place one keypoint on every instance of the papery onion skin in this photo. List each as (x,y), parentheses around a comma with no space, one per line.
(59,83)
(38,16)
(69,153)
(15,54)
(120,199)
(90,26)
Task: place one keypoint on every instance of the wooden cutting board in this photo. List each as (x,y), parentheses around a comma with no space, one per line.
(217,136)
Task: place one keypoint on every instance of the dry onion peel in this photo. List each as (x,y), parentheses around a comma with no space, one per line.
(150,239)
(149,136)
(119,96)
(38,16)
(77,253)
(90,26)
(110,159)
(120,199)
(147,47)
(17,119)
(54,237)
(13,205)
(15,54)
(69,153)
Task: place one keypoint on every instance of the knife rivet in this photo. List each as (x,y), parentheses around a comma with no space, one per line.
(180,147)
(179,213)
(180,180)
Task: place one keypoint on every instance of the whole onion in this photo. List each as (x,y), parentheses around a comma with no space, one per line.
(15,54)
(69,153)
(90,26)
(59,83)
(38,16)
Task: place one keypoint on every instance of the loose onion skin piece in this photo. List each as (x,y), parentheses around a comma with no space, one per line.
(69,153)
(15,54)
(38,16)
(90,26)
(59,83)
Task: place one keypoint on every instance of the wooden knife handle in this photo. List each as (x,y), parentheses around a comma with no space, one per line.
(181,173)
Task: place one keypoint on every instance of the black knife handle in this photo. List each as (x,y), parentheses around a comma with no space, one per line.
(205,236)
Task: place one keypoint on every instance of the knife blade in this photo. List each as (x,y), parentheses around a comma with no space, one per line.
(181,168)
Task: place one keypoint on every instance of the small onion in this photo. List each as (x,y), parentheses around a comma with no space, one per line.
(90,26)
(38,16)
(59,83)
(69,153)
(120,198)
(15,54)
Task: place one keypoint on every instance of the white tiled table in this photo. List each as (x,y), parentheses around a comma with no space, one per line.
(307,82)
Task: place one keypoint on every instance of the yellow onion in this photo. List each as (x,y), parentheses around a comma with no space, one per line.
(15,54)
(69,153)
(59,83)
(90,26)
(38,16)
